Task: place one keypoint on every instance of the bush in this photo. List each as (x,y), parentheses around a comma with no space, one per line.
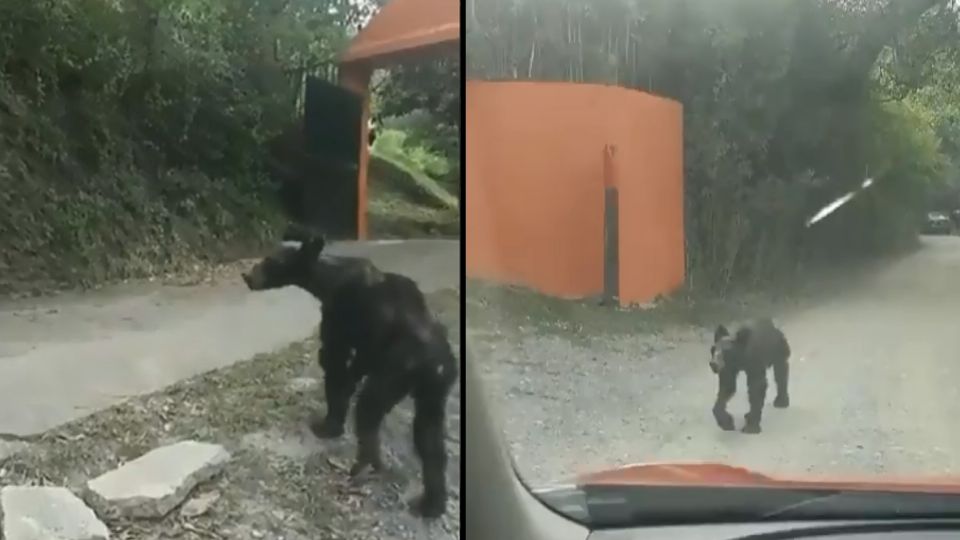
(411,169)
(132,133)
(787,106)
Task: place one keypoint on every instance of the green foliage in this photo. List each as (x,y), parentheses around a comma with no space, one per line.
(904,147)
(432,89)
(132,133)
(787,106)
(907,166)
(412,169)
(399,144)
(432,85)
(406,196)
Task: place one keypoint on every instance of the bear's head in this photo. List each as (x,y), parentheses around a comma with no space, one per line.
(727,349)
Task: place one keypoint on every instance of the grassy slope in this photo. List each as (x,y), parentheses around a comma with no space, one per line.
(405,200)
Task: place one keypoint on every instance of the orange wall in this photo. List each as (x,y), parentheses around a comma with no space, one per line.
(650,183)
(404,25)
(534,198)
(534,180)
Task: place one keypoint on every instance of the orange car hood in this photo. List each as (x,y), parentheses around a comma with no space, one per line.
(720,475)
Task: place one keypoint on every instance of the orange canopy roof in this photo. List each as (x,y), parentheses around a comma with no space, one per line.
(404,26)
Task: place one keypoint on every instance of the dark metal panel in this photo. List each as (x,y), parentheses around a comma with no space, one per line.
(319,184)
(611,246)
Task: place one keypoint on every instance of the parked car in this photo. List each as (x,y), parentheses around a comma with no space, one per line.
(938,223)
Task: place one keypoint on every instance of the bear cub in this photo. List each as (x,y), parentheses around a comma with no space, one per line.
(755,347)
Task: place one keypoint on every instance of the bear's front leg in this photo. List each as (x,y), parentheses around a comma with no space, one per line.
(726,388)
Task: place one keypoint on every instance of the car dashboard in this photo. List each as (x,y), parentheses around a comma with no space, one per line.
(846,530)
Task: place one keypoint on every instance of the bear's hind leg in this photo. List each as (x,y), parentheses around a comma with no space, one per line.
(781,374)
(757,393)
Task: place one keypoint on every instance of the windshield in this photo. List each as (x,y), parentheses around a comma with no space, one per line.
(717,232)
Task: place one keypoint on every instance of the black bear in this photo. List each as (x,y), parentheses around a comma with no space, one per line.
(375,327)
(753,349)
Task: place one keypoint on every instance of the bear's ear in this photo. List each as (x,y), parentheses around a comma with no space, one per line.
(312,248)
(720,333)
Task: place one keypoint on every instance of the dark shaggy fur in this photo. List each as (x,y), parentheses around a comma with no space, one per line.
(375,327)
(756,347)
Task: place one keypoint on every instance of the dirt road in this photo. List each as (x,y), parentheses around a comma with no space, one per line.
(874,385)
(67,356)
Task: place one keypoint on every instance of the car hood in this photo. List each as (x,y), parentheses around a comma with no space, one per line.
(707,474)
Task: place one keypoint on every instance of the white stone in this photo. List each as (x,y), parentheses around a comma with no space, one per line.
(9,449)
(155,483)
(303,384)
(48,513)
(297,446)
(199,505)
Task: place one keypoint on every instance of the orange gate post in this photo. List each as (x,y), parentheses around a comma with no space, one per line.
(401,30)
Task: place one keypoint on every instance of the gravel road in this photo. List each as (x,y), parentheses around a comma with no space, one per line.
(281,482)
(873,384)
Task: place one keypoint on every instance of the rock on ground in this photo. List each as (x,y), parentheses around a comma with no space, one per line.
(11,448)
(156,482)
(304,384)
(48,513)
(200,504)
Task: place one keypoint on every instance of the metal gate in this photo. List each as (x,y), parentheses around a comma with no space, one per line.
(331,131)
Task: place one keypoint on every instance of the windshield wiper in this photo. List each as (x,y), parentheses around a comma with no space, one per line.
(870,505)
(601,506)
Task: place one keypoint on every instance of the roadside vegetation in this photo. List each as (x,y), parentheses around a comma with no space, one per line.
(787,106)
(133,134)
